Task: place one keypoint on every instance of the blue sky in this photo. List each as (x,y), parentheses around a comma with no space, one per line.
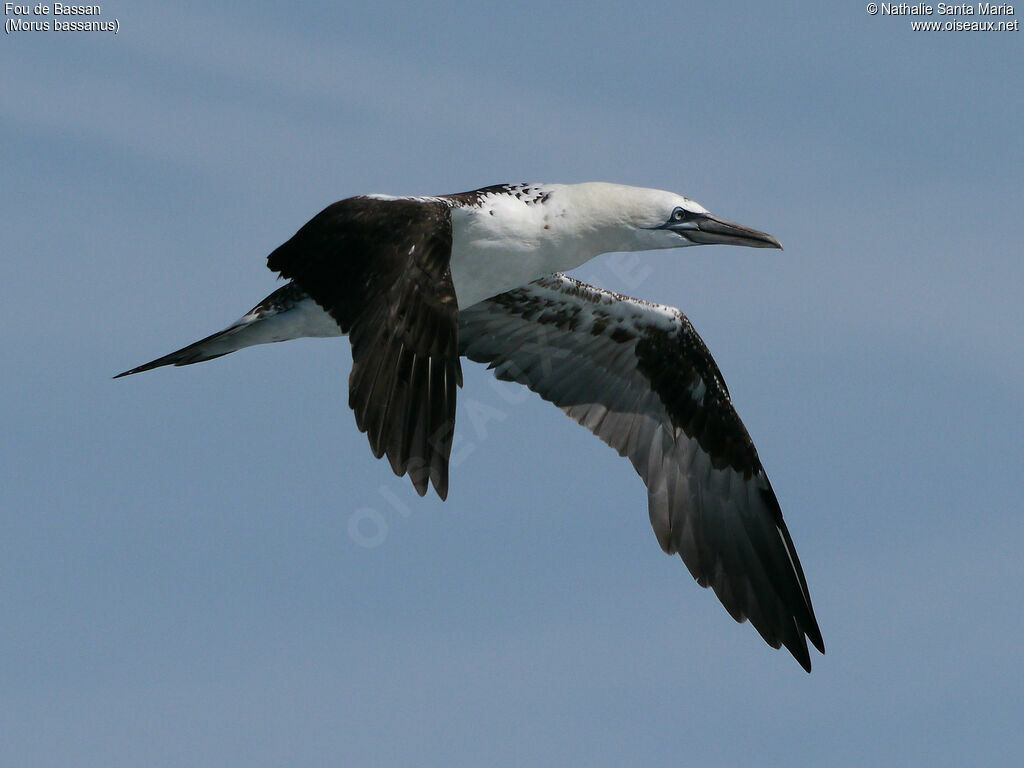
(180,586)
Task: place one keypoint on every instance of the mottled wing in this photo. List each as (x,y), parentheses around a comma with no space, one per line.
(638,376)
(381,269)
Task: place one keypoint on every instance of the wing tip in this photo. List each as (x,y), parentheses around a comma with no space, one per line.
(798,646)
(790,633)
(814,635)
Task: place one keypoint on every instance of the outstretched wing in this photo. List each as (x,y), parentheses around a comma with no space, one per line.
(638,376)
(381,269)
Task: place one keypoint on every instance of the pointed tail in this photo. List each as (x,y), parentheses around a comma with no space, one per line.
(287,313)
(212,346)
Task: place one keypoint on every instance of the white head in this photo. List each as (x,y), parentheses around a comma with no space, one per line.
(639,219)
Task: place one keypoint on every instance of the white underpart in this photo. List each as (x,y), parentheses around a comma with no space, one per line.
(305,319)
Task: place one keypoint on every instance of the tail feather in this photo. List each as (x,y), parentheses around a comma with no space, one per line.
(214,345)
(287,313)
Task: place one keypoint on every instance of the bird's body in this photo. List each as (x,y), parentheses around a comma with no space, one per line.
(417,282)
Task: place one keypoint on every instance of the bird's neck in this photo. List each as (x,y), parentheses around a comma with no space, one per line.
(507,242)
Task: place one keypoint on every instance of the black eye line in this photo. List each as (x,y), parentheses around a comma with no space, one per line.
(680,216)
(687,216)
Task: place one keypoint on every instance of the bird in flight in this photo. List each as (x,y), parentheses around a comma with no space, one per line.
(418,282)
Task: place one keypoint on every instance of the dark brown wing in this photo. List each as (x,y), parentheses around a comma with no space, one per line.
(638,376)
(380,267)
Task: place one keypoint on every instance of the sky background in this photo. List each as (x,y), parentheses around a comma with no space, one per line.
(180,581)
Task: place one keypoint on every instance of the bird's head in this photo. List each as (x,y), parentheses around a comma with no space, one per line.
(650,219)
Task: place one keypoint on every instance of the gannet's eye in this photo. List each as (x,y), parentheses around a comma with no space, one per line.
(678,215)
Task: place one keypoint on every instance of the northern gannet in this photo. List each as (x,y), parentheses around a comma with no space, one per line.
(417,282)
